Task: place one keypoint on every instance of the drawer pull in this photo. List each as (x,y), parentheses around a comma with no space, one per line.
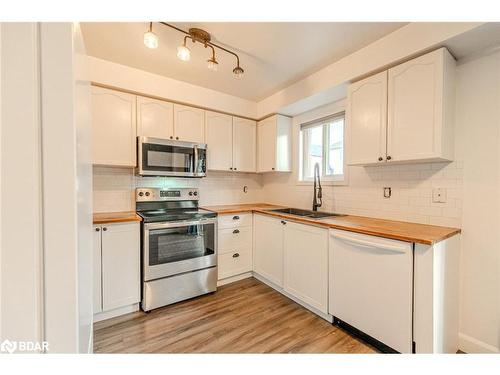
(236,255)
(236,231)
(236,217)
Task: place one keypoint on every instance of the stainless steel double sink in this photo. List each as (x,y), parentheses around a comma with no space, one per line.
(305,213)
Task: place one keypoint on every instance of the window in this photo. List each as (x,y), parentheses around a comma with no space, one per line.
(322,142)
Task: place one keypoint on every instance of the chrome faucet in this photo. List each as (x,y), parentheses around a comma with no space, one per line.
(318,191)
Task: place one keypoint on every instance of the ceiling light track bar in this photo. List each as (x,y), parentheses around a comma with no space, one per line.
(197,35)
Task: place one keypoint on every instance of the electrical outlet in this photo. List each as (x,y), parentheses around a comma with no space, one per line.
(387,192)
(439,195)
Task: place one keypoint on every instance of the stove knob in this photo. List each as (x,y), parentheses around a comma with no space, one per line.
(195,193)
(190,193)
(141,194)
(147,194)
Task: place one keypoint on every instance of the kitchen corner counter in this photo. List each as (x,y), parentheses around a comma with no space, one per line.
(115,217)
(241,208)
(396,230)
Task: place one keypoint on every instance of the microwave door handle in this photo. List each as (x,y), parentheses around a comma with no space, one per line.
(195,153)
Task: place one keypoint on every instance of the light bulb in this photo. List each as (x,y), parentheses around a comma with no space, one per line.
(150,39)
(183,53)
(212,64)
(238,72)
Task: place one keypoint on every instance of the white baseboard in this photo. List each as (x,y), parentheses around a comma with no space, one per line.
(327,317)
(232,279)
(116,312)
(471,345)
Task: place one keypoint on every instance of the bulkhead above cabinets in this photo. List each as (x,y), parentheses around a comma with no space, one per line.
(404,114)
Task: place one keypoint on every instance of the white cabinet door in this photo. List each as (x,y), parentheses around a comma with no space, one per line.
(416,108)
(244,145)
(306,264)
(113,127)
(268,248)
(155,118)
(219,140)
(120,265)
(367,120)
(189,123)
(266,145)
(96,253)
(371,281)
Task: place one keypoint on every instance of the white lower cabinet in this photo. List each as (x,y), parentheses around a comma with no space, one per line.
(293,257)
(234,238)
(268,248)
(116,266)
(306,264)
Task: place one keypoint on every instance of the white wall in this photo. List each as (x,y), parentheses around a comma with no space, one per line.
(478,144)
(42,258)
(22,236)
(124,77)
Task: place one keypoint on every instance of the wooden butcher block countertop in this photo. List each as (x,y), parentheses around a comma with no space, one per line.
(396,230)
(241,208)
(115,217)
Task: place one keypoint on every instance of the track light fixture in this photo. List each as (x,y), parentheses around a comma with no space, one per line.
(150,38)
(195,35)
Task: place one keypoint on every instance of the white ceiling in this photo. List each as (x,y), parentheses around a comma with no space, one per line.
(274,55)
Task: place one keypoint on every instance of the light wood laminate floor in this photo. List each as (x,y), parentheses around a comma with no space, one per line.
(243,317)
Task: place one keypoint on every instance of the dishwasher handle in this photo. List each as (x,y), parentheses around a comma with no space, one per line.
(392,248)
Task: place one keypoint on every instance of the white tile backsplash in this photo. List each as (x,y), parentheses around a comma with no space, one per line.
(114,187)
(411,198)
(411,185)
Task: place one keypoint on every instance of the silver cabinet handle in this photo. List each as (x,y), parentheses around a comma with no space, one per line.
(236,231)
(236,217)
(236,255)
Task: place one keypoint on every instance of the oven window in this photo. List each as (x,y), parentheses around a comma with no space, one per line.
(167,158)
(180,243)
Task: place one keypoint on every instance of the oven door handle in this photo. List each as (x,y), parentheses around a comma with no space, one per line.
(178,224)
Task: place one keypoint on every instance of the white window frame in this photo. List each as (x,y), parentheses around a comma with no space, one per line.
(325,179)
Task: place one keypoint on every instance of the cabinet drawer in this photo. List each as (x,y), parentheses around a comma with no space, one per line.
(234,238)
(235,220)
(234,263)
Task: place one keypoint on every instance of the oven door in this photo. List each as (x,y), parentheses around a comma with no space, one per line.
(163,157)
(178,247)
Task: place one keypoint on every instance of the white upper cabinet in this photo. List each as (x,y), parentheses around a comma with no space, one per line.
(244,145)
(274,144)
(189,124)
(219,139)
(420,108)
(113,127)
(155,118)
(367,118)
(405,114)
(306,264)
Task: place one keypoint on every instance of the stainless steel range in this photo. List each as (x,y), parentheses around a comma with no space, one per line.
(179,246)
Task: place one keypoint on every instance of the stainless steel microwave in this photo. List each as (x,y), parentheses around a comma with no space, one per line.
(165,157)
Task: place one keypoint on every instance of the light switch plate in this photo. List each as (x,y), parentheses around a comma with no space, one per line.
(439,195)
